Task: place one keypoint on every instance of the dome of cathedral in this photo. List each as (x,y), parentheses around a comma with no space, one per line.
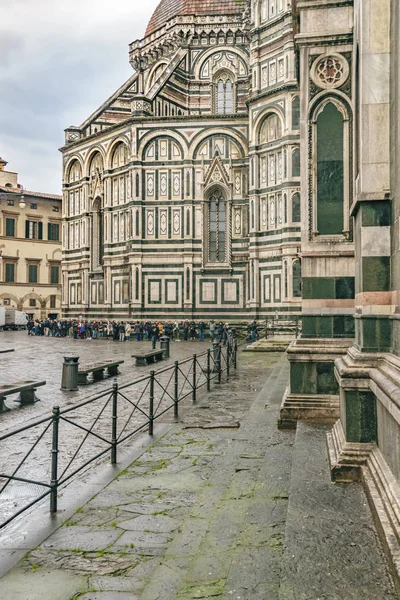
(168,9)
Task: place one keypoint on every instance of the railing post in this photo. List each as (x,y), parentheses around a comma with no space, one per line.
(228,357)
(176,394)
(151,408)
(54,460)
(235,346)
(194,377)
(114,442)
(219,363)
(208,370)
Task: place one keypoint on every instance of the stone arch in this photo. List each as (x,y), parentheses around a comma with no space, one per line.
(203,57)
(263,116)
(70,163)
(33,296)
(55,253)
(151,80)
(335,97)
(233,136)
(152,136)
(11,296)
(89,158)
(113,146)
(47,300)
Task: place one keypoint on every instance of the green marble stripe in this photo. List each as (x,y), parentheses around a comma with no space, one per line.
(313,378)
(328,326)
(326,288)
(374,333)
(376,214)
(375,273)
(361,417)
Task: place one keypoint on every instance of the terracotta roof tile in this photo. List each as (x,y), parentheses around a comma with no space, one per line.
(19,191)
(168,9)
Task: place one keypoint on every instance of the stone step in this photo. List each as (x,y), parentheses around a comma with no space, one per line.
(331,549)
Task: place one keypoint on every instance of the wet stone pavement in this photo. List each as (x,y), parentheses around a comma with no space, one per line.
(41,358)
(202,513)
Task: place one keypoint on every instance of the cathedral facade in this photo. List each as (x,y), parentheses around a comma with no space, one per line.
(182,191)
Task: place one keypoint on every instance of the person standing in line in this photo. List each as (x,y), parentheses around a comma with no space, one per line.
(202,329)
(253,331)
(225,334)
(212,330)
(128,330)
(176,332)
(121,331)
(186,331)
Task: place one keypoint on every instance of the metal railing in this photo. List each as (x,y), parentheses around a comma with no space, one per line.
(275,326)
(73,438)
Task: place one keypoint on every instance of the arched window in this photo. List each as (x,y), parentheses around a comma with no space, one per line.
(296,213)
(296,279)
(272,129)
(330,171)
(296,113)
(120,156)
(96,164)
(224,96)
(296,163)
(74,172)
(217,228)
(286,281)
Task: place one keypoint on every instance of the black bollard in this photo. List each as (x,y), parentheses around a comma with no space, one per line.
(69,380)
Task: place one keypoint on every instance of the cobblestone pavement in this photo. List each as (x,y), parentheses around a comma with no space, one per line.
(201,514)
(41,358)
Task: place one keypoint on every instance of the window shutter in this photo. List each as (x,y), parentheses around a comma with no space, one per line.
(40,230)
(49,231)
(10,227)
(27,229)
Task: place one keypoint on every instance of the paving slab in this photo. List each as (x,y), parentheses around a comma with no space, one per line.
(331,546)
(203,513)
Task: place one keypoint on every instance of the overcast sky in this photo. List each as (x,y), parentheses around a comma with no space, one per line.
(59,61)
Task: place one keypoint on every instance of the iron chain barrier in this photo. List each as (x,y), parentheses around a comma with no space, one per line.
(61,447)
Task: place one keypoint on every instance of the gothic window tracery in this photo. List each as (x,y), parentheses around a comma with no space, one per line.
(330,189)
(217,228)
(224,93)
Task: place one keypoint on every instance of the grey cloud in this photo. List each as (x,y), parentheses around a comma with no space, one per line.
(64,58)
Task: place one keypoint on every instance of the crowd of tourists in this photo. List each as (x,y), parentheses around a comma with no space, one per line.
(140,330)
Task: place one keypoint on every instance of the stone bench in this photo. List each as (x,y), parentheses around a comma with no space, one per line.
(25,389)
(97,370)
(149,358)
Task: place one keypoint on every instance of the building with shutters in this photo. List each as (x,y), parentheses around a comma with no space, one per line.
(30,248)
(182,191)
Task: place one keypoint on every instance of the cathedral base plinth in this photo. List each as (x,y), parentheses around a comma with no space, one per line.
(313,394)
